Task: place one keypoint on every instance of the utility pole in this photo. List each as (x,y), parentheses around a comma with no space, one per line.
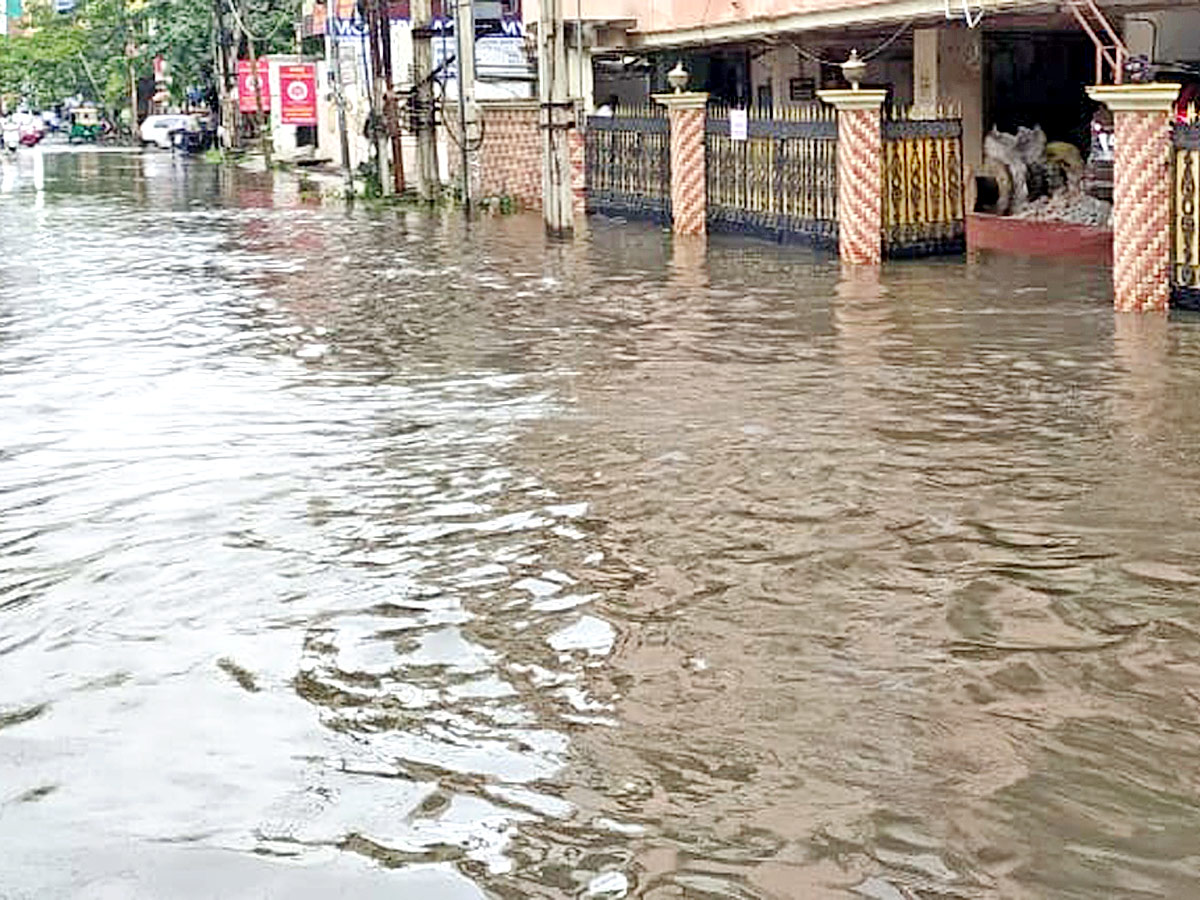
(391,118)
(378,129)
(339,99)
(428,179)
(220,50)
(464,51)
(558,112)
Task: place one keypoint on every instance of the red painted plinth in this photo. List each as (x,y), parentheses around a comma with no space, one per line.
(1061,239)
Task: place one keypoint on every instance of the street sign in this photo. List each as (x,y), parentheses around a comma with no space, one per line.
(298,94)
(247,102)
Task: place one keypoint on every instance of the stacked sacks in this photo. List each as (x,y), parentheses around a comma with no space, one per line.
(1030,178)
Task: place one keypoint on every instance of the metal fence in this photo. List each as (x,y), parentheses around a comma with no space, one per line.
(1185,236)
(628,164)
(781,181)
(922,186)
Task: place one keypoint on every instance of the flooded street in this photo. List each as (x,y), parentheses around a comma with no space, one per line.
(364,554)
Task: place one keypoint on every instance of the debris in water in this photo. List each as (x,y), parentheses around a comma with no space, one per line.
(243,677)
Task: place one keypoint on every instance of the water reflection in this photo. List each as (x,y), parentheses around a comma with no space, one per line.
(372,551)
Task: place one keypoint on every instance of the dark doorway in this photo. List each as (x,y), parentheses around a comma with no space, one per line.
(1038,78)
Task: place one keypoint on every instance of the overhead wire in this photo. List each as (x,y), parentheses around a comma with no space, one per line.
(864,57)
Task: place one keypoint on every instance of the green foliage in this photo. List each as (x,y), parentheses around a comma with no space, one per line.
(43,66)
(86,52)
(182,35)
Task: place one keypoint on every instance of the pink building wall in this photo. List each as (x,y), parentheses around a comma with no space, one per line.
(675,15)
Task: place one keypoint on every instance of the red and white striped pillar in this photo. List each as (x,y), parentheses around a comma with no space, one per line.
(689,200)
(1141,193)
(860,174)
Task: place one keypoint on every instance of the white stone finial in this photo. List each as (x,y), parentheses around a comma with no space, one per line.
(678,77)
(853,69)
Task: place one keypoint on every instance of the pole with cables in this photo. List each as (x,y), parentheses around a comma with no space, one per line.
(464,34)
(339,99)
(557,115)
(428,180)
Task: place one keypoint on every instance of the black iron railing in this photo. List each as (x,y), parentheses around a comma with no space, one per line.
(780,181)
(628,163)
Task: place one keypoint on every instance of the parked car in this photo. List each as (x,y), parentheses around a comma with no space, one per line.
(158,129)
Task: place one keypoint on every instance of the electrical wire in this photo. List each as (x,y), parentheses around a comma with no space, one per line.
(966,5)
(866,56)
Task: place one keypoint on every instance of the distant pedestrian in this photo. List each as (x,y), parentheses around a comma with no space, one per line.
(12,134)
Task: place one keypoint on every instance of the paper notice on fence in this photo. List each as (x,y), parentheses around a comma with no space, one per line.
(739,125)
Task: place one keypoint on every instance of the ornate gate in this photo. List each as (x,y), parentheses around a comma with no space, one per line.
(1185,237)
(628,164)
(922,187)
(781,181)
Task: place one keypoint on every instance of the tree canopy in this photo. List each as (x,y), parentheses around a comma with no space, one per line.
(89,50)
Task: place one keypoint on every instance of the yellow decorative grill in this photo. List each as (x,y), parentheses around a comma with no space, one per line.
(1185,239)
(922,184)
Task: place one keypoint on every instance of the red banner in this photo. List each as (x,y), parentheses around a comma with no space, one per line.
(247,102)
(298,94)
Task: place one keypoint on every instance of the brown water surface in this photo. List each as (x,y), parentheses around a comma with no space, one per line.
(364,554)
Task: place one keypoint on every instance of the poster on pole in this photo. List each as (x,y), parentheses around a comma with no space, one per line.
(739,125)
(247,102)
(298,94)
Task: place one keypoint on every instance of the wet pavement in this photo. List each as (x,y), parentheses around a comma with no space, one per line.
(363,554)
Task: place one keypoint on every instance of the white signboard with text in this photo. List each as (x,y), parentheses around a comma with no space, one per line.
(739,125)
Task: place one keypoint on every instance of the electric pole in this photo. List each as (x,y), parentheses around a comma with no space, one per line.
(374,16)
(558,112)
(428,179)
(391,118)
(464,34)
(339,99)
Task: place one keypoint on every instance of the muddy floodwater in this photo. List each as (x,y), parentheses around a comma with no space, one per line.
(366,554)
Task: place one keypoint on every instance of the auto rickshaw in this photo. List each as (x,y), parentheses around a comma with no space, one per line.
(85,125)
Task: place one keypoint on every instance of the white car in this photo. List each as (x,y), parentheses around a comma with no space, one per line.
(157,130)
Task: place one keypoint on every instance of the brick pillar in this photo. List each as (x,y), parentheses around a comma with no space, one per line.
(860,174)
(575,140)
(689,198)
(1141,193)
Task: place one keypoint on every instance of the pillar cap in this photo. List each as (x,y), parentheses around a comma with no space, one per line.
(1153,97)
(851,99)
(686,100)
